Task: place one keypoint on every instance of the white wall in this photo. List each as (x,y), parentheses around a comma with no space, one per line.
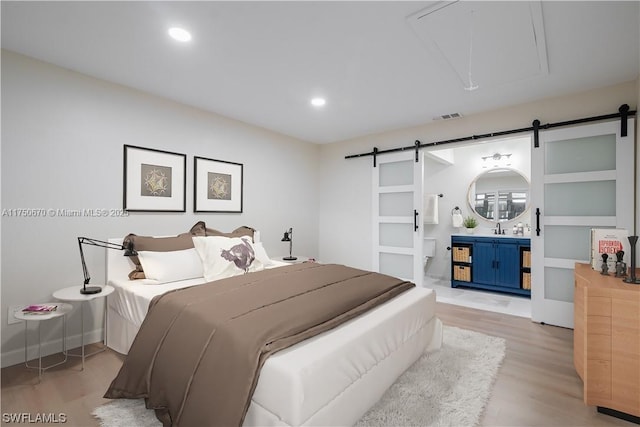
(345,185)
(62,147)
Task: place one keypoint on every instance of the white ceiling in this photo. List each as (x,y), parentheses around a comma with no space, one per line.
(261,62)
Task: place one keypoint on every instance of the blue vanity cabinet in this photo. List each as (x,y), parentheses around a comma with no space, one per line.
(497,263)
(484,271)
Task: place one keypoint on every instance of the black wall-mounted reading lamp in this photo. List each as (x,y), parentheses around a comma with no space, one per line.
(288,237)
(128,251)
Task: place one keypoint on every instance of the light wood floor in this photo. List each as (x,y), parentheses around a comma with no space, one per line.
(536,386)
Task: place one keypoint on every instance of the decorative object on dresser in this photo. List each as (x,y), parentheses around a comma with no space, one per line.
(608,241)
(621,266)
(605,266)
(632,271)
(500,264)
(217,185)
(154,180)
(606,342)
(128,251)
(288,237)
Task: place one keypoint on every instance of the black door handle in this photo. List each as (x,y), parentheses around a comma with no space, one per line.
(415,220)
(537,221)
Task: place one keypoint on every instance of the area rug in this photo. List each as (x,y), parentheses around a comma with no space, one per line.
(448,387)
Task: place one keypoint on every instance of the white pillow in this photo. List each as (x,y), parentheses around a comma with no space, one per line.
(171,266)
(261,254)
(226,256)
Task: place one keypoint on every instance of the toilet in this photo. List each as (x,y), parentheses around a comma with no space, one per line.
(428,249)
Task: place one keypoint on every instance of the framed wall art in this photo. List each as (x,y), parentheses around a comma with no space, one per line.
(217,186)
(154,180)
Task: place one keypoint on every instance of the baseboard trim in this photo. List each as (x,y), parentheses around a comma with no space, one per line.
(15,357)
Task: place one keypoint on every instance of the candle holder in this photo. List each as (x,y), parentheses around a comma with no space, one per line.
(631,278)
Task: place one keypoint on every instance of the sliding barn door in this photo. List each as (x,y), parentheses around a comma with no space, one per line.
(582,178)
(397,216)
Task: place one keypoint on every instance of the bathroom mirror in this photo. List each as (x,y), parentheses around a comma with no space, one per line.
(499,194)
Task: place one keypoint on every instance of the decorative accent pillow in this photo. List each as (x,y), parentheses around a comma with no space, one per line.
(180,242)
(226,256)
(171,266)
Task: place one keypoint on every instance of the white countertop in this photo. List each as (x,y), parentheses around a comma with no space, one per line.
(502,236)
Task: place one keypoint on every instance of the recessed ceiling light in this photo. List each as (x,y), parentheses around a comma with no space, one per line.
(318,102)
(180,34)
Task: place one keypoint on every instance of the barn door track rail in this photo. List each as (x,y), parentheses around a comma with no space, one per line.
(623,113)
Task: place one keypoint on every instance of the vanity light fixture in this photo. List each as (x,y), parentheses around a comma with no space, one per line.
(180,34)
(497,160)
(318,102)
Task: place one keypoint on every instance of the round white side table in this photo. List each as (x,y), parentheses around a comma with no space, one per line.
(72,294)
(61,311)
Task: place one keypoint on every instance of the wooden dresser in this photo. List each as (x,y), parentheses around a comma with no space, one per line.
(606,341)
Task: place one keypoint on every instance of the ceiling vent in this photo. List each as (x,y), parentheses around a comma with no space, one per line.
(448,116)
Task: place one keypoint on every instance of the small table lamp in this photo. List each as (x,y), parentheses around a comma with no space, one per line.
(128,251)
(288,237)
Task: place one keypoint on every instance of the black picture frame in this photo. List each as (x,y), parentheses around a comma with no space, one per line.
(217,185)
(154,180)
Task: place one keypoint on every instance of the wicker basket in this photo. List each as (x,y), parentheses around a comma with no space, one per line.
(462,273)
(526,281)
(526,259)
(461,254)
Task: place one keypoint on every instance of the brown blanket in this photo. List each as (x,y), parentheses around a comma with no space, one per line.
(198,354)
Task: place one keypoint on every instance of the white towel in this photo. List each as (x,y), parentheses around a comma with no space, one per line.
(430,208)
(456,219)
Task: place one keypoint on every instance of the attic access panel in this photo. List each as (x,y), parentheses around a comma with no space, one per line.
(498,42)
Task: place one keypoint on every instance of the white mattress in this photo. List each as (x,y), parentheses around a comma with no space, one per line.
(307,383)
(300,380)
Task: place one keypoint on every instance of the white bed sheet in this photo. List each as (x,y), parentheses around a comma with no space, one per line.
(307,383)
(132,297)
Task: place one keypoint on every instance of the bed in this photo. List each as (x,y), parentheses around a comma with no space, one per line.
(330,379)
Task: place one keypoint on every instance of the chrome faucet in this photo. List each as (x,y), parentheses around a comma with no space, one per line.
(497,230)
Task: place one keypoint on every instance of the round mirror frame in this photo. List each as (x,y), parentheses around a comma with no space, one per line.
(471,197)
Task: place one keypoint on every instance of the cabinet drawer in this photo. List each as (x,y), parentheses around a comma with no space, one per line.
(462,273)
(461,254)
